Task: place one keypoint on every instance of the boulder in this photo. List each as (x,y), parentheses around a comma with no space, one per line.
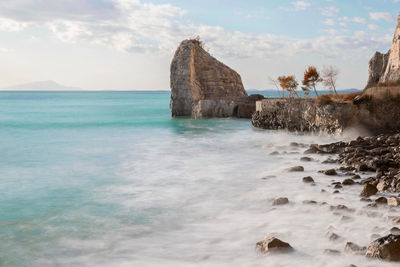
(272,244)
(368,190)
(308,179)
(296,169)
(385,248)
(393,201)
(202,86)
(280,201)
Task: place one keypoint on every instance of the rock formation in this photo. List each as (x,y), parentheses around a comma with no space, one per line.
(385,68)
(202,86)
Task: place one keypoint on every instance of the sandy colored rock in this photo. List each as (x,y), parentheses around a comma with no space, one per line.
(202,86)
(385,68)
(385,248)
(393,201)
(272,244)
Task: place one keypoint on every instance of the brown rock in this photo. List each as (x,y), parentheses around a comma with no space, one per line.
(348,182)
(296,169)
(381,200)
(368,190)
(272,244)
(332,236)
(382,186)
(385,248)
(396,220)
(308,179)
(280,201)
(330,172)
(332,251)
(306,159)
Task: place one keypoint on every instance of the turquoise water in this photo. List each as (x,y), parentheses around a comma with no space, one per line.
(60,151)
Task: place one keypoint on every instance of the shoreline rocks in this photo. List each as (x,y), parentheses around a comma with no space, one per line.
(272,244)
(385,248)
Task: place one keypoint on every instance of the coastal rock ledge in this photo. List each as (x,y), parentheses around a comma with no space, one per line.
(202,86)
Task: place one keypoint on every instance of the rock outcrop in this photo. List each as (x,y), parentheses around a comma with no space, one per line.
(385,248)
(385,68)
(202,86)
(272,244)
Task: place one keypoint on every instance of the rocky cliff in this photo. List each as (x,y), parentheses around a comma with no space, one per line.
(202,86)
(385,68)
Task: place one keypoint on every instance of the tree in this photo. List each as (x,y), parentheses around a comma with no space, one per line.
(329,76)
(275,83)
(311,79)
(289,83)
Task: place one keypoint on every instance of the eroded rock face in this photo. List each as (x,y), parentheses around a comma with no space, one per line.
(385,68)
(202,86)
(385,248)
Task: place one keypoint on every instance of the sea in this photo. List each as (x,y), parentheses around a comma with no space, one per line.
(110,179)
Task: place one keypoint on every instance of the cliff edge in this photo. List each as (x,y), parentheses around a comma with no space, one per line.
(385,68)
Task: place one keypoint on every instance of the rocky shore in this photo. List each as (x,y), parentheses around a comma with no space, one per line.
(377,159)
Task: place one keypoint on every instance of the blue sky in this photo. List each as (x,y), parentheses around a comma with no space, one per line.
(128,44)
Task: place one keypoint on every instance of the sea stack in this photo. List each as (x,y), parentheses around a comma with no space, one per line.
(202,86)
(385,68)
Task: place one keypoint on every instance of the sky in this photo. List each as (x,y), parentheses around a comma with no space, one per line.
(129,44)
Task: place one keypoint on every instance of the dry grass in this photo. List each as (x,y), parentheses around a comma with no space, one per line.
(330,98)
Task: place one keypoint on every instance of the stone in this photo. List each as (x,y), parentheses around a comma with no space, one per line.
(368,190)
(381,200)
(308,179)
(296,169)
(393,201)
(202,86)
(382,186)
(270,244)
(385,68)
(348,182)
(385,248)
(280,201)
(310,202)
(332,251)
(332,236)
(330,172)
(395,231)
(354,248)
(306,159)
(356,177)
(396,220)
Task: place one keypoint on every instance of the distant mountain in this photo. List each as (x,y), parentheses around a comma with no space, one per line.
(42,86)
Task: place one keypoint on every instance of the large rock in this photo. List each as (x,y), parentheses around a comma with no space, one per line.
(202,86)
(385,68)
(385,248)
(272,244)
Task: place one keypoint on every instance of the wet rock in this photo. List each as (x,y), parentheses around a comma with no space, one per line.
(395,231)
(354,248)
(336,192)
(381,200)
(369,190)
(296,169)
(340,207)
(310,202)
(308,179)
(382,186)
(268,177)
(348,182)
(274,153)
(332,251)
(306,159)
(396,220)
(393,201)
(385,248)
(337,186)
(280,201)
(330,161)
(271,244)
(356,177)
(365,199)
(332,236)
(330,172)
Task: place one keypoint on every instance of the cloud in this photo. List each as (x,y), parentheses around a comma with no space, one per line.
(353,19)
(329,22)
(330,11)
(301,5)
(381,16)
(132,26)
(372,26)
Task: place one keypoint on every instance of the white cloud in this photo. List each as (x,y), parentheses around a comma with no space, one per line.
(301,5)
(330,11)
(329,22)
(373,26)
(381,16)
(133,26)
